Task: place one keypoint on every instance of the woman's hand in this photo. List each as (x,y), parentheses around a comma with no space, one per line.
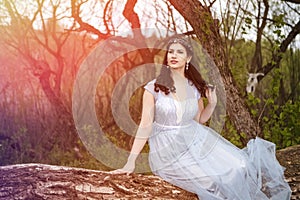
(211,95)
(127,169)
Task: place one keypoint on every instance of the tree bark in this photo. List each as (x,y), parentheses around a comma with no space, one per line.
(39,181)
(207,30)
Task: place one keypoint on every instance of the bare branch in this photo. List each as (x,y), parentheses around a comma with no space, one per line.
(171,19)
(293,1)
(257,57)
(277,56)
(292,8)
(107,16)
(83,25)
(131,15)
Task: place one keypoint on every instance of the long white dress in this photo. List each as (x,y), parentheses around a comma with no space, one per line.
(197,159)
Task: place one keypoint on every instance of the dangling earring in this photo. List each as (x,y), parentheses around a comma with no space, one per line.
(187,65)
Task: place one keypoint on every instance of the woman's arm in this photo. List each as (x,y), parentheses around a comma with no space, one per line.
(204,113)
(142,134)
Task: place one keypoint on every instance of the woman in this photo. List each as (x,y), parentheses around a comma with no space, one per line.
(190,155)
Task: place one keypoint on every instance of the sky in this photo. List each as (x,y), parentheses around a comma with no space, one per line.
(92,11)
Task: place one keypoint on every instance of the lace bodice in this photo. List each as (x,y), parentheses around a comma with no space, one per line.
(172,112)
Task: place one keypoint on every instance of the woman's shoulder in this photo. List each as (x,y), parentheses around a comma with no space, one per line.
(150,87)
(196,91)
(151,82)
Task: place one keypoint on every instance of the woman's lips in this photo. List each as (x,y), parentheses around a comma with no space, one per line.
(173,62)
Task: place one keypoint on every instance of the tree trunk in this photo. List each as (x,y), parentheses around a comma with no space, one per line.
(207,30)
(38,181)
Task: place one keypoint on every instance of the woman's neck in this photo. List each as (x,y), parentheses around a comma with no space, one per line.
(178,74)
(178,78)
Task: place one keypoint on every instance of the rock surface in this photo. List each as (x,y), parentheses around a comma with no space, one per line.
(39,181)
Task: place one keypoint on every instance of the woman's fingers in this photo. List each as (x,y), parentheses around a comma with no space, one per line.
(120,171)
(211,95)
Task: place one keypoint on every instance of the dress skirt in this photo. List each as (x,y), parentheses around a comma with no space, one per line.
(197,159)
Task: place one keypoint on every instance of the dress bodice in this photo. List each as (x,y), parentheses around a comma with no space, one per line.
(172,112)
(196,158)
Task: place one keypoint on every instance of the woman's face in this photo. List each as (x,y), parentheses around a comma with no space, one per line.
(177,56)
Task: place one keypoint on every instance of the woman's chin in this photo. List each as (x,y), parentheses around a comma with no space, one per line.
(176,67)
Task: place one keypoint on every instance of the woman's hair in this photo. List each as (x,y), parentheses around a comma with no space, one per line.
(164,81)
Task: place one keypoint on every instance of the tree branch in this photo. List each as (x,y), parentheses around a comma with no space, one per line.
(83,25)
(277,56)
(292,1)
(257,57)
(134,21)
(107,16)
(131,15)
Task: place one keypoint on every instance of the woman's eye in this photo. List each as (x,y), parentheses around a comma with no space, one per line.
(170,51)
(181,52)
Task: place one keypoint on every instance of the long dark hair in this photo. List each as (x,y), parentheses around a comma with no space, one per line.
(164,81)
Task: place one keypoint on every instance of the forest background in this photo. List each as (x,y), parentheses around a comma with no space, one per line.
(44,42)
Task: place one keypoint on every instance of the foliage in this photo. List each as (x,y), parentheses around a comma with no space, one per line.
(230,133)
(239,62)
(78,157)
(252,103)
(283,125)
(281,122)
(275,104)
(20,143)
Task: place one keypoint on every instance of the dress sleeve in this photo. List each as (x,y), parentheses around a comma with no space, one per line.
(150,87)
(197,93)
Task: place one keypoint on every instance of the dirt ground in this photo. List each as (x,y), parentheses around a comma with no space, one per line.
(290,159)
